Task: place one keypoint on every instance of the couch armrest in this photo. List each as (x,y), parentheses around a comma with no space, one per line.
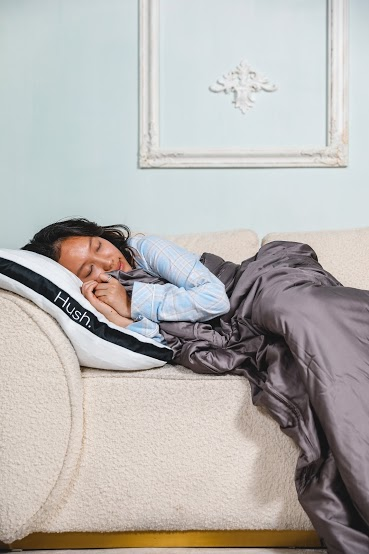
(41,414)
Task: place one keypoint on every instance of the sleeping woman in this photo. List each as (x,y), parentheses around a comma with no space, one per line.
(279,319)
(96,254)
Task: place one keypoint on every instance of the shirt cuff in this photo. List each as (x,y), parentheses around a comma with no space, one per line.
(141,301)
(147,328)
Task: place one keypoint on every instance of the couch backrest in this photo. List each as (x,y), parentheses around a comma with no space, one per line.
(344,253)
(235,246)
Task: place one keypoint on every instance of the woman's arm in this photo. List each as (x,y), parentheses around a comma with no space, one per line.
(193,292)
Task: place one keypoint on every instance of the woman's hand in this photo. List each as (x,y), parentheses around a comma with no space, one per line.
(88,290)
(112,293)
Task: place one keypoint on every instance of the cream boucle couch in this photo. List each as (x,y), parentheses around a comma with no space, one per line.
(94,458)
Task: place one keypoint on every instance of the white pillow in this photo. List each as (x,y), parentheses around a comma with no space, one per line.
(97,342)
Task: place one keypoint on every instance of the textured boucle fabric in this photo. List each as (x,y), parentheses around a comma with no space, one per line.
(41,416)
(168,449)
(344,253)
(237,245)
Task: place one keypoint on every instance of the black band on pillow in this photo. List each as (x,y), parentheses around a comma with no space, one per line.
(78,314)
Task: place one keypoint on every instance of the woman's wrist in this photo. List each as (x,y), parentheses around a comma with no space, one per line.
(127,311)
(120,320)
(123,309)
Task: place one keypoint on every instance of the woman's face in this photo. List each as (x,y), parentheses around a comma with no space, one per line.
(87,257)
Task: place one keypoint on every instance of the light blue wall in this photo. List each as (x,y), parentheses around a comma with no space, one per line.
(284,40)
(69,136)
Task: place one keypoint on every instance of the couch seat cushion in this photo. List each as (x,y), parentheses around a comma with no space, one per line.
(168,449)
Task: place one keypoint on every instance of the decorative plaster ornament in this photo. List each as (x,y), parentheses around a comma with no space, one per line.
(243,82)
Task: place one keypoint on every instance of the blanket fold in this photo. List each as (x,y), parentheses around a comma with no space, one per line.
(302,340)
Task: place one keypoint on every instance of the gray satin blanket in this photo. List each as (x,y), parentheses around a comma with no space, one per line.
(302,340)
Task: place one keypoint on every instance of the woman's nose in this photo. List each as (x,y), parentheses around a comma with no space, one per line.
(105,264)
(109,264)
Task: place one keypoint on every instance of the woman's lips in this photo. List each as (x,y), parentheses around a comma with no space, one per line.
(123,266)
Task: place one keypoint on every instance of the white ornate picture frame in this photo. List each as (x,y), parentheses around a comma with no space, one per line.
(334,154)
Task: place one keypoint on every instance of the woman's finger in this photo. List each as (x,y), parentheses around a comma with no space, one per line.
(103,286)
(88,293)
(87,283)
(104,292)
(88,288)
(98,303)
(107,289)
(105,277)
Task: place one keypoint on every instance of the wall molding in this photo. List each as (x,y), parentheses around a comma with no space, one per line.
(334,154)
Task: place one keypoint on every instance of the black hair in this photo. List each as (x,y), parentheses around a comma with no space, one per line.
(48,241)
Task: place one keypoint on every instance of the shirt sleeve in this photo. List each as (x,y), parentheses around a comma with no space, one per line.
(193,293)
(147,328)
